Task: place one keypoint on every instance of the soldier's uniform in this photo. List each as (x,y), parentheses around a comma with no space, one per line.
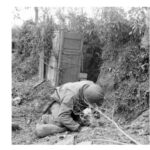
(69,102)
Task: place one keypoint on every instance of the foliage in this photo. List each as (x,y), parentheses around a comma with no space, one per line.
(131,100)
(32,40)
(26,69)
(26,40)
(45,36)
(127,80)
(132,73)
(126,60)
(114,29)
(137,17)
(77,22)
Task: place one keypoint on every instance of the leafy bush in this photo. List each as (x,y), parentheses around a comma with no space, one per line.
(127,62)
(131,100)
(27,68)
(26,40)
(32,40)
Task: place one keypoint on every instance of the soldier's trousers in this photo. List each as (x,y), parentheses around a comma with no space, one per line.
(48,124)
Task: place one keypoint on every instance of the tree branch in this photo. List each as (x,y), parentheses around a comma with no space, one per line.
(129,137)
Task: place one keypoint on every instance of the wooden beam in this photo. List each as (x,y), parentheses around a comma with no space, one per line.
(60,55)
(74,36)
(53,70)
(148,25)
(41,67)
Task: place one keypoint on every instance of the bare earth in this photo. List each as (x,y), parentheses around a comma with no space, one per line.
(104,134)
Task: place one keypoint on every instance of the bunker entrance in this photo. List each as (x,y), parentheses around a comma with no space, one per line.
(91,63)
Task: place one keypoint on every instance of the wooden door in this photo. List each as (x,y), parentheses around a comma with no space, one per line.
(70,59)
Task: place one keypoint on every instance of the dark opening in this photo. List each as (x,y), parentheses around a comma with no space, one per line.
(91,63)
(13,46)
(45,71)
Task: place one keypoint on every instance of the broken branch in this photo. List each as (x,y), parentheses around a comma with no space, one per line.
(129,137)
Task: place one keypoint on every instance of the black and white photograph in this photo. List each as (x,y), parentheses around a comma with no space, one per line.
(80,75)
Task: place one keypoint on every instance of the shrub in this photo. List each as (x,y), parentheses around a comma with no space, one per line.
(32,40)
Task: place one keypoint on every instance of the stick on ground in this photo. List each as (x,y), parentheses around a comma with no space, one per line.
(129,137)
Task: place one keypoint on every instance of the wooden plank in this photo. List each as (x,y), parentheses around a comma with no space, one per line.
(148,22)
(60,56)
(69,60)
(70,57)
(53,69)
(38,84)
(72,35)
(70,68)
(71,52)
(72,44)
(81,60)
(41,67)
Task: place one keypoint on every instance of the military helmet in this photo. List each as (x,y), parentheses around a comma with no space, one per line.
(93,94)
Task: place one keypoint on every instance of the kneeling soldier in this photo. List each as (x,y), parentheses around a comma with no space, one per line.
(69,100)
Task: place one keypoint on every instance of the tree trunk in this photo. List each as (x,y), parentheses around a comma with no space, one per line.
(36,14)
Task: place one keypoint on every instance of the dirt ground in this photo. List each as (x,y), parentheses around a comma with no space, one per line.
(104,134)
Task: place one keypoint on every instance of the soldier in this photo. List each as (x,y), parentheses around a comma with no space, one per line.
(68,102)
